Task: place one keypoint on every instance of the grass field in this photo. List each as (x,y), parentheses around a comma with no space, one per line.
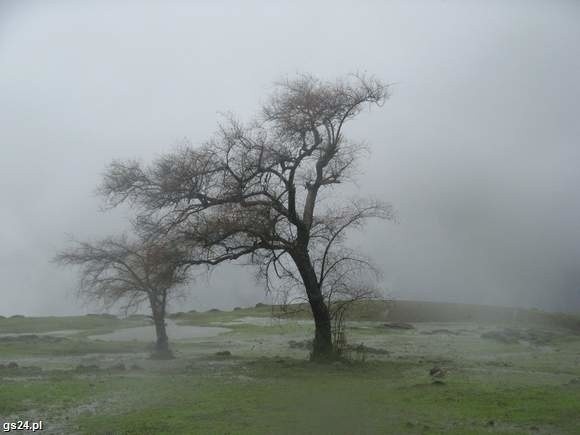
(500,374)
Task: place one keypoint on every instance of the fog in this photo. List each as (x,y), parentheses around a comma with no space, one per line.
(477,147)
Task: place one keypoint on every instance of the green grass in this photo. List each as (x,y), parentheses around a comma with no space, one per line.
(294,397)
(491,387)
(91,323)
(72,346)
(51,393)
(211,317)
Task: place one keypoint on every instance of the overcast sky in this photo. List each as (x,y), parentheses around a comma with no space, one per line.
(477,148)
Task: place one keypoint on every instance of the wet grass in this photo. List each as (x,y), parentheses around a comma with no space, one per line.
(64,347)
(51,393)
(267,387)
(92,323)
(210,318)
(285,396)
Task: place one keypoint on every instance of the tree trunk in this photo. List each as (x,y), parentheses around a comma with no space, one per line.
(322,346)
(162,341)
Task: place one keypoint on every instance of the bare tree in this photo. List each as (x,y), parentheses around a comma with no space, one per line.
(347,278)
(262,191)
(130,272)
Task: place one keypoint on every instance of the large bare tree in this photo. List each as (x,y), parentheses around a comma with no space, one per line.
(131,272)
(263,190)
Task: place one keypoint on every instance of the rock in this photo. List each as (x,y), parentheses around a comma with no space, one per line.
(237,308)
(398,325)
(437,372)
(223,353)
(214,310)
(12,365)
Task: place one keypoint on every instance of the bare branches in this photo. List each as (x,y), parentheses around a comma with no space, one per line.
(270,168)
(332,227)
(253,190)
(117,269)
(305,104)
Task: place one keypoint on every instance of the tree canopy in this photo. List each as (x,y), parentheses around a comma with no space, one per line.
(130,272)
(262,190)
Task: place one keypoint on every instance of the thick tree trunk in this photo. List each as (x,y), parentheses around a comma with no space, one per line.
(162,341)
(322,345)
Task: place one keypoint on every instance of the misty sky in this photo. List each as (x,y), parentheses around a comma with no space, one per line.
(477,148)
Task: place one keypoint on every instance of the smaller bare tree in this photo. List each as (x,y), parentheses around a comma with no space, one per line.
(130,272)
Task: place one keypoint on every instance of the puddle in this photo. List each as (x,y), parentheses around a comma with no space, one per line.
(265,321)
(174,331)
(62,333)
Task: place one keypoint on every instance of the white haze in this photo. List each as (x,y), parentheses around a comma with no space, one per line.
(477,148)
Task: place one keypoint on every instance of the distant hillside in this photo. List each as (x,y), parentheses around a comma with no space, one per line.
(418,311)
(414,311)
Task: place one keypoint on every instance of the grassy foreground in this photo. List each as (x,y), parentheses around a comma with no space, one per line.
(516,379)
